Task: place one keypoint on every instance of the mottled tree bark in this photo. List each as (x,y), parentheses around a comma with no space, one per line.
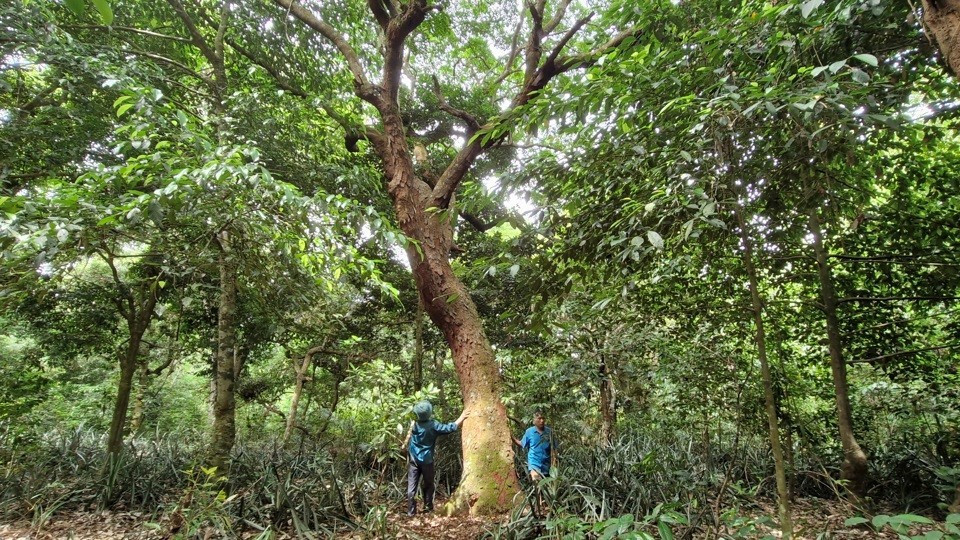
(854,468)
(941,19)
(489,481)
(136,419)
(224,404)
(418,350)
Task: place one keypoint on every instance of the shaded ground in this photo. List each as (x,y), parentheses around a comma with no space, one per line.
(812,518)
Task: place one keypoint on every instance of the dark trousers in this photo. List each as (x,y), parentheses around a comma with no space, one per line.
(415,472)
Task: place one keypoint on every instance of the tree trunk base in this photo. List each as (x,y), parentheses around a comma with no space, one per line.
(854,471)
(489,481)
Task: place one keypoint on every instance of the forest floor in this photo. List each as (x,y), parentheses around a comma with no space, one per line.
(811,518)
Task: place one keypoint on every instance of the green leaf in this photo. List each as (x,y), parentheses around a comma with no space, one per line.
(514,269)
(123,108)
(837,66)
(809,6)
(106,13)
(910,518)
(76,6)
(854,521)
(655,239)
(665,532)
(868,59)
(953,519)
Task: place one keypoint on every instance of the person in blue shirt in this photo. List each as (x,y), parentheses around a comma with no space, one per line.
(541,447)
(419,444)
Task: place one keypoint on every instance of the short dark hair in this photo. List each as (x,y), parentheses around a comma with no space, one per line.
(538,414)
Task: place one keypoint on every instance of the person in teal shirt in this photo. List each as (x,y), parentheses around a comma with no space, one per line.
(541,447)
(420,443)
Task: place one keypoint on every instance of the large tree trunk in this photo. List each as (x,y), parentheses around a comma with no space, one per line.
(489,479)
(854,468)
(608,405)
(224,406)
(773,424)
(941,18)
(418,352)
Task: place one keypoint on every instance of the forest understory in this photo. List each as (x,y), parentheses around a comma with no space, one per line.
(264,264)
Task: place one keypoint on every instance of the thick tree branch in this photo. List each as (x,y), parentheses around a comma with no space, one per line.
(380,12)
(327,31)
(39,100)
(552,58)
(534,48)
(396,33)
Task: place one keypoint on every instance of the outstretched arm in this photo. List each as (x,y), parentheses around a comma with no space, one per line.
(406,442)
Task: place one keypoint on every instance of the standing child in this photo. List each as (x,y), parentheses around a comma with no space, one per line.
(420,443)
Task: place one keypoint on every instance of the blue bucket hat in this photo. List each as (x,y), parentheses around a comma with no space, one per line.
(423,410)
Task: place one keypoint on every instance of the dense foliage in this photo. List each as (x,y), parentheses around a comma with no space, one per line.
(715,242)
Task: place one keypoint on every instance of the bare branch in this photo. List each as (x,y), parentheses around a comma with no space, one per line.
(555,65)
(327,31)
(588,59)
(198,39)
(173,63)
(861,299)
(353,134)
(514,51)
(455,171)
(271,69)
(473,124)
(557,17)
(902,353)
(129,29)
(39,100)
